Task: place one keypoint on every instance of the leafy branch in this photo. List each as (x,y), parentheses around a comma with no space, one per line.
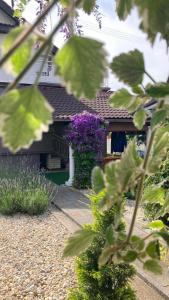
(28,30)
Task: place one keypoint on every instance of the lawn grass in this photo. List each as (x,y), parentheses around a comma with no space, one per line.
(58,177)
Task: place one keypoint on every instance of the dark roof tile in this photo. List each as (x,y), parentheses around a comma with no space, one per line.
(66,105)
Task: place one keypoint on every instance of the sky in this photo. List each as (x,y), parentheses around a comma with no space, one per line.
(117,36)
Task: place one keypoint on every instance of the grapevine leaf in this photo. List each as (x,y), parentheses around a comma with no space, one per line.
(82,65)
(97,180)
(19,59)
(154,194)
(79,242)
(158,117)
(129,67)
(26,114)
(123,8)
(159,90)
(140,118)
(153,266)
(157,225)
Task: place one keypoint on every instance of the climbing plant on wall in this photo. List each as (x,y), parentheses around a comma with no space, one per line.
(87,137)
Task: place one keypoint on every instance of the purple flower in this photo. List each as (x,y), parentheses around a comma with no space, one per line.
(87,133)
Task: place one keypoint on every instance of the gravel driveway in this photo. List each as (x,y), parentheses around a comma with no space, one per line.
(30,252)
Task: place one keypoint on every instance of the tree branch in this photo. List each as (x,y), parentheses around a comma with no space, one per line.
(43,64)
(152,79)
(42,48)
(27,32)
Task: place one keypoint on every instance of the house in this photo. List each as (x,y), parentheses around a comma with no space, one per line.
(52,151)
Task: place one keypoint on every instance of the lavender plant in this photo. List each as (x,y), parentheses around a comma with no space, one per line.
(23,189)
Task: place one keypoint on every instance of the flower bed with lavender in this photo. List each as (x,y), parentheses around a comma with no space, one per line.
(86,134)
(23,189)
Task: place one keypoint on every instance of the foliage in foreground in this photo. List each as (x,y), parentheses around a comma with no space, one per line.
(109,281)
(160,180)
(82,64)
(110,187)
(23,189)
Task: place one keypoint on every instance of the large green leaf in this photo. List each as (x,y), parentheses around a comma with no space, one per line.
(79,242)
(164,235)
(159,149)
(129,67)
(97,180)
(120,175)
(157,225)
(160,90)
(158,117)
(105,255)
(128,167)
(88,5)
(154,194)
(154,18)
(153,266)
(82,65)
(111,180)
(153,249)
(19,59)
(123,8)
(130,256)
(124,100)
(137,243)
(25,114)
(140,118)
(154,15)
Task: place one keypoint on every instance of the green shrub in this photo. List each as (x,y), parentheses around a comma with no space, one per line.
(84,163)
(151,209)
(24,190)
(110,281)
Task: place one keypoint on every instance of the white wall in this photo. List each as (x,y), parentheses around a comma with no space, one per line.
(47,76)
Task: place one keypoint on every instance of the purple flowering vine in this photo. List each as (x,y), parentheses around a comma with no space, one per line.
(87,133)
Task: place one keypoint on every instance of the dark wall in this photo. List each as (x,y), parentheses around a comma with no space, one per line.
(43,146)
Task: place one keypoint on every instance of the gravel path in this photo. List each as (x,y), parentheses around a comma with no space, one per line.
(31,265)
(30,252)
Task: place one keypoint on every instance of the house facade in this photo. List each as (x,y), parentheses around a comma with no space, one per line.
(52,152)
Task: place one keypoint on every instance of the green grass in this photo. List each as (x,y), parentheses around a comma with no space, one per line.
(58,177)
